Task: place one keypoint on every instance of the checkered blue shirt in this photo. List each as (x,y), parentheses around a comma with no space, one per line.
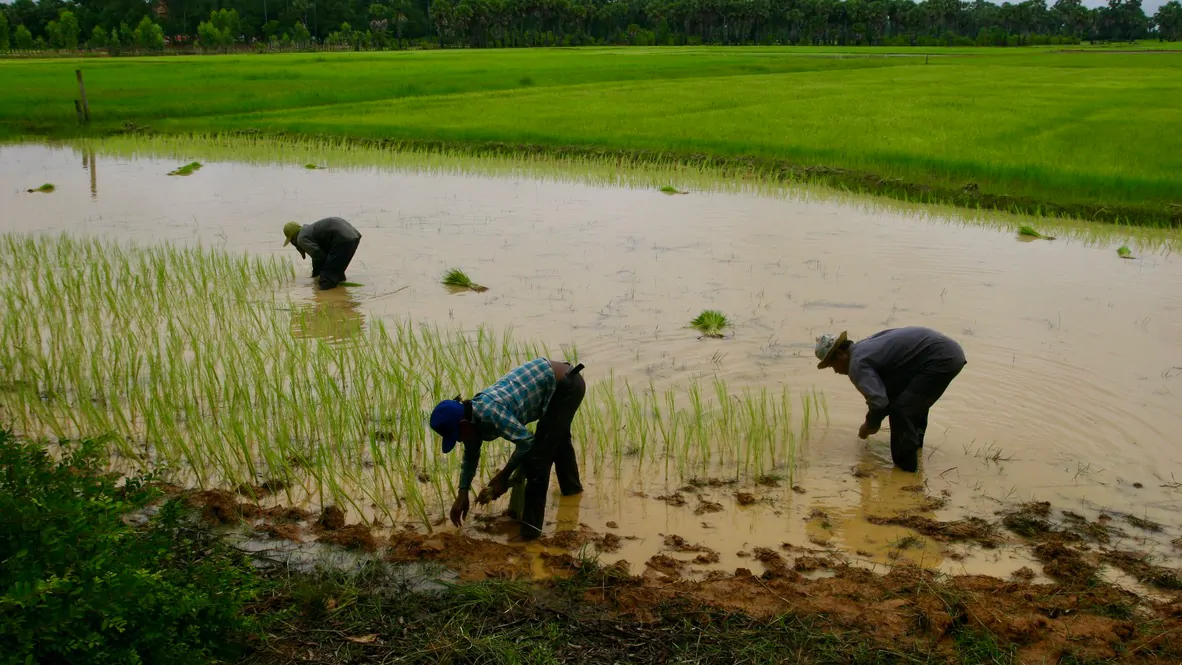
(503,409)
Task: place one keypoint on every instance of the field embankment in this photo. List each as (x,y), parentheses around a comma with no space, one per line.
(1083,134)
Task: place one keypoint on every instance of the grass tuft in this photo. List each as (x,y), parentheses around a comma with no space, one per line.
(459,279)
(187,169)
(711,323)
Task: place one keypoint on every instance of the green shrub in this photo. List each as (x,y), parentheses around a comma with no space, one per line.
(78,585)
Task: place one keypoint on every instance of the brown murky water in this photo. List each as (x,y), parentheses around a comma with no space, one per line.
(1073,392)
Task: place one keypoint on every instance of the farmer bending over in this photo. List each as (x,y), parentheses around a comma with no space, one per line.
(541,390)
(330,242)
(901,372)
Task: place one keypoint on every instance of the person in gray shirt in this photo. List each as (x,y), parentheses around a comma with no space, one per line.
(331,242)
(901,372)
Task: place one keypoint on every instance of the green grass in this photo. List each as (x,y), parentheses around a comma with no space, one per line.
(1091,137)
(46,188)
(711,323)
(458,279)
(187,169)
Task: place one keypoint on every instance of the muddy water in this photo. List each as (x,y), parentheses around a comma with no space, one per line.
(1073,392)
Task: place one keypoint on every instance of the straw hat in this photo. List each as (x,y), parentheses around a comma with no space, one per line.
(827,345)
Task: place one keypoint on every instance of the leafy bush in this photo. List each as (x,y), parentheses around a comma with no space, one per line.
(78,585)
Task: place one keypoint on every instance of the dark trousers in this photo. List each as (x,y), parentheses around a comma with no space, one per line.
(339,256)
(552,448)
(909,412)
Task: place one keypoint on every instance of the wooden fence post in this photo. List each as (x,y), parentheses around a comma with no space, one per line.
(82,91)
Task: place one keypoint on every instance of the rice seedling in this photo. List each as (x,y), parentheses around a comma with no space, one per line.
(187,169)
(1124,252)
(670,189)
(45,189)
(1026,231)
(350,284)
(458,279)
(711,323)
(168,353)
(313,167)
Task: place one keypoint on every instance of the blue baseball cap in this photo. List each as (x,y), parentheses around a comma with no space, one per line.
(445,420)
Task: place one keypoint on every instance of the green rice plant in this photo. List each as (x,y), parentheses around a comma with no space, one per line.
(458,279)
(711,323)
(1026,231)
(187,169)
(670,189)
(313,167)
(1124,252)
(45,189)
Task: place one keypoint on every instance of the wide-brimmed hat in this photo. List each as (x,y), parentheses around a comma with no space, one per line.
(290,231)
(827,345)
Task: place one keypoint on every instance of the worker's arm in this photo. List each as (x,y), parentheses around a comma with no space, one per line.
(306,243)
(459,508)
(867,381)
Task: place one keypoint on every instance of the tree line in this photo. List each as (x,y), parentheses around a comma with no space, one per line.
(126,26)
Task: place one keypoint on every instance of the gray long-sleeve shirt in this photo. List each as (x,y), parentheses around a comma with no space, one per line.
(317,238)
(883,364)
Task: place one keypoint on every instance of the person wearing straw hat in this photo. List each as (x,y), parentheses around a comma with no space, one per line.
(331,242)
(901,372)
(546,391)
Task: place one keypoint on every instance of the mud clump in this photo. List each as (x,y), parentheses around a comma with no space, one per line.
(667,565)
(286,514)
(285,531)
(331,519)
(679,544)
(859,472)
(222,507)
(608,542)
(352,537)
(612,525)
(567,540)
(808,564)
(969,529)
(745,498)
(1063,563)
(707,557)
(707,507)
(1140,568)
(676,499)
(1144,524)
(712,482)
(1024,574)
(768,481)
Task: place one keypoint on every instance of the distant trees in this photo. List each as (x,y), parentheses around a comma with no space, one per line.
(3,32)
(122,25)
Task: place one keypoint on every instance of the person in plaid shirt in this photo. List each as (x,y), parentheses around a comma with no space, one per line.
(541,390)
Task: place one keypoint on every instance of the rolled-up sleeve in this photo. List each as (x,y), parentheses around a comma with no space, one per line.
(867,381)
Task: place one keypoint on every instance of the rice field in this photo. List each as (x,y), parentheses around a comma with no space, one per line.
(183,360)
(1091,139)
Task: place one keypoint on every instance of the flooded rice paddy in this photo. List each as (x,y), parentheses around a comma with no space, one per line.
(1072,394)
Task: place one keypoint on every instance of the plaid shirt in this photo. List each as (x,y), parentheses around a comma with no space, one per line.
(502,410)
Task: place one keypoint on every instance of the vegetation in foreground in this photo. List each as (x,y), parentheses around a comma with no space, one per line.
(82,584)
(1090,142)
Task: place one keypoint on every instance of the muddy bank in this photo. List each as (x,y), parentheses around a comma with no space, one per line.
(968,194)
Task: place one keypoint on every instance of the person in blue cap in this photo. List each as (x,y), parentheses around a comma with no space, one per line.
(902,373)
(546,391)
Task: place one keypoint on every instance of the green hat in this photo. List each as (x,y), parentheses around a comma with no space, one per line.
(290,230)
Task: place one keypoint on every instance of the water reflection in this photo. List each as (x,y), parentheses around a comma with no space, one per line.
(885,491)
(89,163)
(331,315)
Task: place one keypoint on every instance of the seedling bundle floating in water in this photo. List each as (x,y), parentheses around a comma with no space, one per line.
(458,279)
(313,167)
(46,188)
(1124,252)
(187,169)
(670,189)
(711,323)
(1030,232)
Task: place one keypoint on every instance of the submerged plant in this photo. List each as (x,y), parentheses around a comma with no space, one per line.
(46,188)
(1124,252)
(711,323)
(458,279)
(1030,232)
(187,169)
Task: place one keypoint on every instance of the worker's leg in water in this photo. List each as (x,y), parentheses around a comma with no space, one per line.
(552,446)
(339,257)
(909,413)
